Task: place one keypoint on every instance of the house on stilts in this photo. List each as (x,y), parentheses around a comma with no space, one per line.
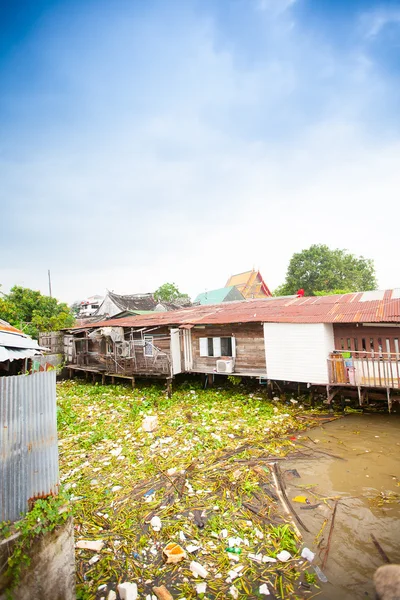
(346,342)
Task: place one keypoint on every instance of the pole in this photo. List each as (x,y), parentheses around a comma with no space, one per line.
(49,282)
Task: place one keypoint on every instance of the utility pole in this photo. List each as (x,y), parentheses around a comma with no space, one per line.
(49,282)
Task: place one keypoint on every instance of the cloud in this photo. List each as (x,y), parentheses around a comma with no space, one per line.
(164,156)
(373,22)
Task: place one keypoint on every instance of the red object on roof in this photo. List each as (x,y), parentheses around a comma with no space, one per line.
(300,293)
(359,307)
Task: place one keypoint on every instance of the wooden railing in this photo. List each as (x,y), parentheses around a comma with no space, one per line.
(368,369)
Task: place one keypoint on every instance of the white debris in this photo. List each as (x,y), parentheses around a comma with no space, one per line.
(128,591)
(95,545)
(307,554)
(269,559)
(263,589)
(234,557)
(201,588)
(116,451)
(112,595)
(150,423)
(259,534)
(258,558)
(283,556)
(182,536)
(156,523)
(223,534)
(192,548)
(198,569)
(94,559)
(234,592)
(171,472)
(116,488)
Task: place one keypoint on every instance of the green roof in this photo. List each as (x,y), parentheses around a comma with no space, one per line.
(220,295)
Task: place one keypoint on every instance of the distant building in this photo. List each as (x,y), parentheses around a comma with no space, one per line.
(114,304)
(90,306)
(250,284)
(226,294)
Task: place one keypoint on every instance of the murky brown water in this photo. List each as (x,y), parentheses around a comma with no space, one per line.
(371,445)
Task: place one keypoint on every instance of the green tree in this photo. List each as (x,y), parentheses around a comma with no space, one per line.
(33,312)
(319,270)
(168,292)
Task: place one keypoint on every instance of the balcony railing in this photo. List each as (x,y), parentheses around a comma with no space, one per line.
(369,369)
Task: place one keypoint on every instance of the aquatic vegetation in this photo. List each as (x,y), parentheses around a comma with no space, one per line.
(203,472)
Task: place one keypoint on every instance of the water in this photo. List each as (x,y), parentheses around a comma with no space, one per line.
(371,446)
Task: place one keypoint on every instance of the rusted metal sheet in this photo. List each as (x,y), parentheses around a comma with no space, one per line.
(360,307)
(28,441)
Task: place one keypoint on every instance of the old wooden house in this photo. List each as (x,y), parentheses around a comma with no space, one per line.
(343,341)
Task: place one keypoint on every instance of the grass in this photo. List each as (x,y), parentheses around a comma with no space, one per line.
(200,471)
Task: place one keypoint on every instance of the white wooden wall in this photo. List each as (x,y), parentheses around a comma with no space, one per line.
(298,351)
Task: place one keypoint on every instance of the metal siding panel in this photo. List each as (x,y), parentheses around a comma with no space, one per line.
(298,352)
(28,443)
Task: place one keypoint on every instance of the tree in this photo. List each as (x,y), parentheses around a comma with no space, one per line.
(32,312)
(168,292)
(320,270)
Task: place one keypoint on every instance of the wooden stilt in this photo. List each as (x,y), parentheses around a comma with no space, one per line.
(269,389)
(112,379)
(103,379)
(169,387)
(389,400)
(133,383)
(210,379)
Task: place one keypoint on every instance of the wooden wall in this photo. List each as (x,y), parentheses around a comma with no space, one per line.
(250,353)
(371,339)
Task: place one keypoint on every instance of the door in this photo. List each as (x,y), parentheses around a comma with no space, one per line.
(176,351)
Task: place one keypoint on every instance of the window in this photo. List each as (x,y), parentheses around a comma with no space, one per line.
(396,347)
(342,343)
(348,344)
(148,345)
(388,347)
(110,349)
(217,346)
(364,345)
(356,344)
(371,344)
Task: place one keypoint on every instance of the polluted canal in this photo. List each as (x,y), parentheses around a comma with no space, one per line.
(364,488)
(224,494)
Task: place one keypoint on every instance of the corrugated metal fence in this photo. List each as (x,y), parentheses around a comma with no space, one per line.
(28,441)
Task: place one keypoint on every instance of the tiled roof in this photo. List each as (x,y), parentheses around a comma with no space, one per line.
(359,307)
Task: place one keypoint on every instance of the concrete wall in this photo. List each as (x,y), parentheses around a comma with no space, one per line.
(51,574)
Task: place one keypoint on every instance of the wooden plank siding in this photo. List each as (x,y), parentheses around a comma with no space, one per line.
(250,353)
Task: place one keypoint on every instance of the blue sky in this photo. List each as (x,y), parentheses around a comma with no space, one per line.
(146,141)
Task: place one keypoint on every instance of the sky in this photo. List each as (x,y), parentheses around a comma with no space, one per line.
(144,141)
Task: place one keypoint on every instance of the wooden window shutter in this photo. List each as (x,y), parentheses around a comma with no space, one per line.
(217,346)
(203,346)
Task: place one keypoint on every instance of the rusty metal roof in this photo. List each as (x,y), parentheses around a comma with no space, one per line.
(360,307)
(4,326)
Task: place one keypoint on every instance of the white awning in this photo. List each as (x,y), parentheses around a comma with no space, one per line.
(16,353)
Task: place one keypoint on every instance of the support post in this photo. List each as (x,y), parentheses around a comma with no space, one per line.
(103,379)
(210,379)
(133,383)
(112,379)
(389,399)
(269,389)
(169,387)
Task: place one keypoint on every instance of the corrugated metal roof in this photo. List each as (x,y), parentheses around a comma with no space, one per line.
(4,326)
(343,308)
(16,353)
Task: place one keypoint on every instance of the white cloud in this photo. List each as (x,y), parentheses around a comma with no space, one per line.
(198,166)
(375,21)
